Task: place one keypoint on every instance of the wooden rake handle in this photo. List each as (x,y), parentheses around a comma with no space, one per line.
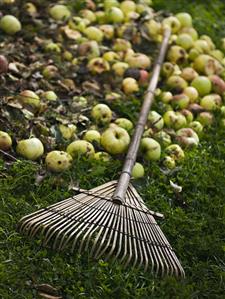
(123,182)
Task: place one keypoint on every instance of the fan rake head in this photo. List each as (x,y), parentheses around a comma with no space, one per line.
(92,221)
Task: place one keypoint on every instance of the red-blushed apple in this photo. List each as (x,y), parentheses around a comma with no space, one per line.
(180,101)
(211,102)
(115,140)
(10,24)
(202,84)
(155,120)
(175,152)
(169,162)
(102,156)
(150,148)
(67,131)
(31,149)
(125,124)
(59,12)
(92,136)
(144,78)
(98,65)
(130,85)
(173,23)
(218,84)
(177,54)
(205,118)
(101,114)
(188,74)
(196,126)
(58,161)
(185,19)
(138,171)
(187,137)
(80,148)
(192,93)
(3,64)
(163,138)
(5,141)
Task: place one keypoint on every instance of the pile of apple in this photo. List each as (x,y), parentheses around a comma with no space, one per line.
(103,43)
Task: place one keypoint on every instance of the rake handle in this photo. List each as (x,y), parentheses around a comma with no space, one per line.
(123,182)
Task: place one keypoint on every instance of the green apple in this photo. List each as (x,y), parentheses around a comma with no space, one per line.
(115,15)
(155,120)
(125,124)
(177,83)
(110,56)
(10,24)
(150,148)
(217,54)
(138,171)
(115,140)
(169,162)
(202,84)
(196,126)
(80,148)
(173,23)
(167,69)
(187,137)
(139,60)
(89,49)
(175,152)
(58,161)
(127,6)
(59,12)
(205,118)
(163,138)
(92,136)
(211,102)
(67,131)
(191,31)
(98,65)
(192,93)
(29,99)
(110,3)
(185,41)
(130,85)
(93,33)
(174,120)
(108,31)
(177,54)
(119,68)
(50,95)
(31,149)
(102,156)
(5,141)
(121,45)
(185,19)
(207,65)
(88,15)
(52,47)
(102,114)
(166,97)
(188,115)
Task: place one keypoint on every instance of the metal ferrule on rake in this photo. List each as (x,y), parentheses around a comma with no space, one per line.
(111,221)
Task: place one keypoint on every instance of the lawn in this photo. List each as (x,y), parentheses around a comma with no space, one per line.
(194,219)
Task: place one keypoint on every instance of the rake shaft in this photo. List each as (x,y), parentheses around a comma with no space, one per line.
(123,182)
(111,220)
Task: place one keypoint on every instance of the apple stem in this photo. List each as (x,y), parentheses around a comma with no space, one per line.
(123,182)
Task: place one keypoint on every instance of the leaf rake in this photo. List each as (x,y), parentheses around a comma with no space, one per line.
(111,220)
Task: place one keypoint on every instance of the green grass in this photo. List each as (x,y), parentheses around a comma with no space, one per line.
(194,221)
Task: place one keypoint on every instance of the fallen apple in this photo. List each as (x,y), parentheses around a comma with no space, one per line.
(59,12)
(155,120)
(185,19)
(92,136)
(202,84)
(211,102)
(175,152)
(138,171)
(125,124)
(150,148)
(102,114)
(115,140)
(102,156)
(169,162)
(10,24)
(196,126)
(187,137)
(31,149)
(58,161)
(130,85)
(80,148)
(5,141)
